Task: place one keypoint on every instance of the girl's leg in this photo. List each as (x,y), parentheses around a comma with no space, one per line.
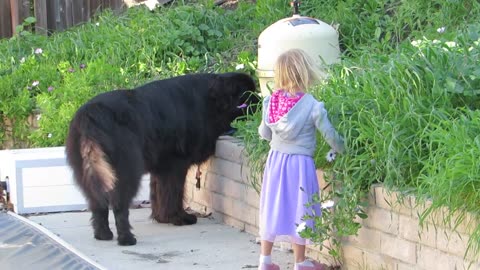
(301,263)
(298,252)
(265,256)
(266,248)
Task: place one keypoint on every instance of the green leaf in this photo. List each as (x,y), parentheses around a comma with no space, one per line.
(203,27)
(18,28)
(453,85)
(30,20)
(362,215)
(378,33)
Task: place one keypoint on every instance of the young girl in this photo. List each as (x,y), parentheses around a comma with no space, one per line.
(290,119)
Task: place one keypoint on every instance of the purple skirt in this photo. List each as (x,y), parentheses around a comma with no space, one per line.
(289,182)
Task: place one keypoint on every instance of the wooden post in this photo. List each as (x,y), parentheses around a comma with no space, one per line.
(52,11)
(94,5)
(78,11)
(23,9)
(6,29)
(117,5)
(20,10)
(68,13)
(14,14)
(41,26)
(62,15)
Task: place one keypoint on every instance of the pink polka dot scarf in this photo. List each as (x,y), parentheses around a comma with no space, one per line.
(280,103)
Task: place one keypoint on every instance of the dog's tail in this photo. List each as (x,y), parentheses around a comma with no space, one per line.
(86,149)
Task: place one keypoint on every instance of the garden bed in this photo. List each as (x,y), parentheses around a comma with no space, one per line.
(390,238)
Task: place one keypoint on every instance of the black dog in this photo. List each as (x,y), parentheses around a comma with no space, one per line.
(161,128)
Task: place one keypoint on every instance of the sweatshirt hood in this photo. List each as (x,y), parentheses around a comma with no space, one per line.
(289,125)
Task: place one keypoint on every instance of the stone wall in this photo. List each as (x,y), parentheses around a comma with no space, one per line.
(390,238)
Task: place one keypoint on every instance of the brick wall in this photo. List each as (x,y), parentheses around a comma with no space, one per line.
(390,238)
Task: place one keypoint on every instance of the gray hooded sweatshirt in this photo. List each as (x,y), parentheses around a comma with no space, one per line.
(294,132)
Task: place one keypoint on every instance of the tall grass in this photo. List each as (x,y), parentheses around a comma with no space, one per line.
(411,122)
(116,51)
(406,98)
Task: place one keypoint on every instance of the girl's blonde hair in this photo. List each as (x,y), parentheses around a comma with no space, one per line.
(295,71)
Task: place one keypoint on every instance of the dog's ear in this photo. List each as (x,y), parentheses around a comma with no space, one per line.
(227,88)
(219,93)
(238,83)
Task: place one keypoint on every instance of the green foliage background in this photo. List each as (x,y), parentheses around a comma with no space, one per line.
(405,96)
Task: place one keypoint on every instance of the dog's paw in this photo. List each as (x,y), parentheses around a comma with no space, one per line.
(183,219)
(180,219)
(189,219)
(126,240)
(160,219)
(103,235)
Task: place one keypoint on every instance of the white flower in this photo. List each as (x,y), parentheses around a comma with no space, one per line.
(35,83)
(302,226)
(441,30)
(240,66)
(451,44)
(331,155)
(39,117)
(328,204)
(38,51)
(22,60)
(416,43)
(49,135)
(97,24)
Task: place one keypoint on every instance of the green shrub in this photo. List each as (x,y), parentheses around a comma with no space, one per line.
(410,119)
(114,51)
(381,25)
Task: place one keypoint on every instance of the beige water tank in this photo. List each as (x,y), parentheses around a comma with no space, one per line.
(318,39)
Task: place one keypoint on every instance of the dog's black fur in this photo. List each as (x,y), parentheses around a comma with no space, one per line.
(161,128)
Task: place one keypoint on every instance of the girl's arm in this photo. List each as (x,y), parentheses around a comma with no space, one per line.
(322,123)
(263,130)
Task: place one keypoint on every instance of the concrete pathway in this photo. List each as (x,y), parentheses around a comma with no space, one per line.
(205,245)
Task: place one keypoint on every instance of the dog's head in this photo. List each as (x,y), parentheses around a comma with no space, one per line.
(232,93)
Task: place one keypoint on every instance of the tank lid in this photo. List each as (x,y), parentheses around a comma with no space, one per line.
(298,20)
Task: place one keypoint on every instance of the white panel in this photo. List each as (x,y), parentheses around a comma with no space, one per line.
(47,176)
(144,191)
(52,196)
(50,187)
(38,153)
(67,194)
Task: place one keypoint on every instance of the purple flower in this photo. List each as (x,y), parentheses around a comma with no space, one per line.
(50,88)
(35,83)
(38,51)
(71,70)
(82,66)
